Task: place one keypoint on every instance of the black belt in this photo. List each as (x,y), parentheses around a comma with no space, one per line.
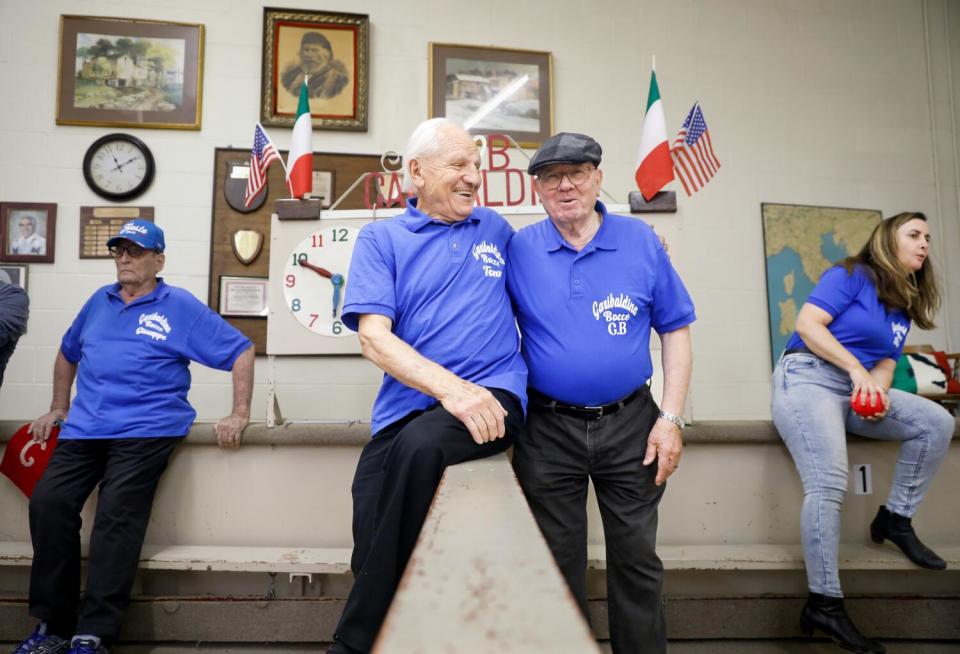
(797,350)
(541,402)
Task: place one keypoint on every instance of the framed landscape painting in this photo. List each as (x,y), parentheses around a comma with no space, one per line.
(493,90)
(124,72)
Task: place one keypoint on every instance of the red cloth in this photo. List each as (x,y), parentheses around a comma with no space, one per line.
(25,460)
(953,384)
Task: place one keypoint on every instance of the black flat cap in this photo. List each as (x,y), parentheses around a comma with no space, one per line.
(565,147)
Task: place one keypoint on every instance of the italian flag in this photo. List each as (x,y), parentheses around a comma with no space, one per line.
(300,159)
(654,166)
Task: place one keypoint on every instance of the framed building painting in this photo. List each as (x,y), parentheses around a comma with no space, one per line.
(493,90)
(330,51)
(800,243)
(125,72)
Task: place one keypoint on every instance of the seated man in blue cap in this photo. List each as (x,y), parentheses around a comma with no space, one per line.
(587,287)
(129,349)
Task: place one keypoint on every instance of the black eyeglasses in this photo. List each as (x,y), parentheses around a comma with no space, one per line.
(550,181)
(135,251)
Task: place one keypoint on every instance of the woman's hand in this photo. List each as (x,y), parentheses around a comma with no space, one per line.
(874,392)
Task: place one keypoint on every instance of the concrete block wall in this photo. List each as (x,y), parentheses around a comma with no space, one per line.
(849,104)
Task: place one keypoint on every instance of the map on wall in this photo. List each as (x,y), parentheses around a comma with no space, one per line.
(800,244)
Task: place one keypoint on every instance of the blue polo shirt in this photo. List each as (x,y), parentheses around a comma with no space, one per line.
(443,287)
(133,361)
(585,317)
(861,322)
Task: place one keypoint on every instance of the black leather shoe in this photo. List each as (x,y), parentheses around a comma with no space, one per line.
(899,531)
(828,615)
(340,647)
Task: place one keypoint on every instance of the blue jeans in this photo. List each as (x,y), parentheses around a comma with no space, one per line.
(811,409)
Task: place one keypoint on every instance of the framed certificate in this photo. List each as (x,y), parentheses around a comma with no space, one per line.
(243,296)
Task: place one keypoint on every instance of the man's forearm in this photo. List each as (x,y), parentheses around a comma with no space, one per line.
(395,357)
(242,374)
(677,358)
(63,375)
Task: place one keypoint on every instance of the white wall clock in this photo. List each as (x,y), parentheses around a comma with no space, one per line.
(315,278)
(118,167)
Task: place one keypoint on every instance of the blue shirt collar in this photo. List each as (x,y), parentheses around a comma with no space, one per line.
(161,291)
(604,239)
(414,220)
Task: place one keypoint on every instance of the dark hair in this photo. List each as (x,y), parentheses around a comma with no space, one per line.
(316,37)
(914,292)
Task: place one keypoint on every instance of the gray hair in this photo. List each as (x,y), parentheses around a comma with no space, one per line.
(30,217)
(424,142)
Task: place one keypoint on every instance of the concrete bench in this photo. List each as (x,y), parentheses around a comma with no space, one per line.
(216,558)
(775,557)
(481,578)
(325,560)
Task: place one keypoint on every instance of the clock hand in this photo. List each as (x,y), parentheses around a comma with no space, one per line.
(323,272)
(120,166)
(337,285)
(114,157)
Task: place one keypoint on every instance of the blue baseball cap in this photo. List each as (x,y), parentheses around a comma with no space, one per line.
(142,232)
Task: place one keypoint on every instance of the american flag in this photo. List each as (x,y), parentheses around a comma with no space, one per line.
(694,162)
(264,152)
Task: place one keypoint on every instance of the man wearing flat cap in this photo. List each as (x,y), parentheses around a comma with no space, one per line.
(129,349)
(587,287)
(326,76)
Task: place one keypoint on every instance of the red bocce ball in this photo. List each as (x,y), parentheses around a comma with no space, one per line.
(860,403)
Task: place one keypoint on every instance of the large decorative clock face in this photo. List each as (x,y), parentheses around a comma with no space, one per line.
(315,279)
(118,167)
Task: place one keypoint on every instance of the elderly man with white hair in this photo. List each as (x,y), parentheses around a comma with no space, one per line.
(427,295)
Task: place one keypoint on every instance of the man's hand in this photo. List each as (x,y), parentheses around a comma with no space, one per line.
(41,427)
(229,430)
(666,445)
(478,410)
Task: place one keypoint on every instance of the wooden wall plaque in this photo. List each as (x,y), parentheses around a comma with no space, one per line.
(345,169)
(98,224)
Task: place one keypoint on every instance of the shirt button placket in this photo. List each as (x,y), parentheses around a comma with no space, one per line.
(576,281)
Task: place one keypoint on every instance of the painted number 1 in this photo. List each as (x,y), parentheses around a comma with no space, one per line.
(862,479)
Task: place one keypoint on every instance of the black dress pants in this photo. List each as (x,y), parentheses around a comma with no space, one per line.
(128,471)
(553,460)
(396,479)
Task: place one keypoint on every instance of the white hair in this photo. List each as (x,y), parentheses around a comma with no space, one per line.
(424,142)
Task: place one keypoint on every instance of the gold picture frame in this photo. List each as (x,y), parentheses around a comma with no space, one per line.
(128,72)
(493,90)
(331,48)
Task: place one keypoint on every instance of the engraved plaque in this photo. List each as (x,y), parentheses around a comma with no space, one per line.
(98,224)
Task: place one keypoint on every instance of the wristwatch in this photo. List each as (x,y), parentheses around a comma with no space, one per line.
(677,420)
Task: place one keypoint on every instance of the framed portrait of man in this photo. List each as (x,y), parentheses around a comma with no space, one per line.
(29,230)
(328,51)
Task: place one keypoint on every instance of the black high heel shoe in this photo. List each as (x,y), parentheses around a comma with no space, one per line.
(828,615)
(899,531)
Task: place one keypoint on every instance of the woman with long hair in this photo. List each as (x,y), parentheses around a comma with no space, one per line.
(849,335)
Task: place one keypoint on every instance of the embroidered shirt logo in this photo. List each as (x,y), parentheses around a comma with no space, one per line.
(899,332)
(154,325)
(616,310)
(489,255)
